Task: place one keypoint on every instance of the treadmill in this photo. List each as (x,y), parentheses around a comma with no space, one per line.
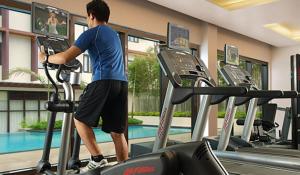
(177,64)
(271,156)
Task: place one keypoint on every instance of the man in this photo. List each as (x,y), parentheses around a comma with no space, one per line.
(106,95)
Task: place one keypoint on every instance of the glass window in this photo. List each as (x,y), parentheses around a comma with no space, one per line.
(144,93)
(31,105)
(0,48)
(16,119)
(16,105)
(256,72)
(143,76)
(133,39)
(3,123)
(83,58)
(3,101)
(0,20)
(86,63)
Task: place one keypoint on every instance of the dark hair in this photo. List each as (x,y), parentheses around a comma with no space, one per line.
(99,9)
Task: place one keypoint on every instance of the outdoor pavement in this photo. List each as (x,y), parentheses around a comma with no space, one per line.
(177,121)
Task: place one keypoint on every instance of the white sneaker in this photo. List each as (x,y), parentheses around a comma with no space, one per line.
(93,165)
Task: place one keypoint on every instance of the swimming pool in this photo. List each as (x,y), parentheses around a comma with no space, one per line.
(28,141)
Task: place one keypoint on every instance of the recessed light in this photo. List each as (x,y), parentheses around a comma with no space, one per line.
(238,4)
(285,30)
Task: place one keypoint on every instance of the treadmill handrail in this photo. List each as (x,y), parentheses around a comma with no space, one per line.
(263,94)
(290,94)
(270,95)
(184,93)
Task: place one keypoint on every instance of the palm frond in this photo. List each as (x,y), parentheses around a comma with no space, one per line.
(19,71)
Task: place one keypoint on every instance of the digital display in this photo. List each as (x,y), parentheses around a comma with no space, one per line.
(178,37)
(50,21)
(232,55)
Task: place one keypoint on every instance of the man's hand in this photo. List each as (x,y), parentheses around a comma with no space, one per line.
(60,58)
(42,55)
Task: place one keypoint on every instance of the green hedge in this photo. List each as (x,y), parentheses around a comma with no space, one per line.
(42,125)
(238,115)
(156,114)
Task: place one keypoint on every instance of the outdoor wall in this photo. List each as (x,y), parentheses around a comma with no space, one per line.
(19,56)
(281,79)
(19,21)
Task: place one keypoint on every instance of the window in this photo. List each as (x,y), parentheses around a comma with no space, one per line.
(86,63)
(3,112)
(254,67)
(0,48)
(143,76)
(133,39)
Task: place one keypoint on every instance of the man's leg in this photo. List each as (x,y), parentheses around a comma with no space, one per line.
(121,146)
(88,137)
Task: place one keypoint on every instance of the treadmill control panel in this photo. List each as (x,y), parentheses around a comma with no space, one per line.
(178,64)
(237,76)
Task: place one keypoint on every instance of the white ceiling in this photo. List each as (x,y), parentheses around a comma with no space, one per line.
(248,21)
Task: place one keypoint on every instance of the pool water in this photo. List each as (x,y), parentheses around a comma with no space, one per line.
(27,141)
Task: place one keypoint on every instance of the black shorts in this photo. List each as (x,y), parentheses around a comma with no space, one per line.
(105,98)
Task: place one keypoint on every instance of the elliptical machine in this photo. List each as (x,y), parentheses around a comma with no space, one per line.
(69,76)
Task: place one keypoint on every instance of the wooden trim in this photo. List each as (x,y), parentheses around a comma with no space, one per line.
(5,45)
(8,115)
(3,29)
(34,58)
(29,85)
(137,52)
(22,33)
(15,4)
(124,43)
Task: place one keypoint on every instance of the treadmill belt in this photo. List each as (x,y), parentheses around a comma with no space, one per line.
(246,168)
(272,151)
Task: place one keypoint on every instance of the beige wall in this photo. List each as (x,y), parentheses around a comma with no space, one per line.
(247,46)
(281,74)
(136,14)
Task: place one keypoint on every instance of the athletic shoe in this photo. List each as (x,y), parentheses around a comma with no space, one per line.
(93,165)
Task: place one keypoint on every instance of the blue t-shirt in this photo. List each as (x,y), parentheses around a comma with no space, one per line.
(105,50)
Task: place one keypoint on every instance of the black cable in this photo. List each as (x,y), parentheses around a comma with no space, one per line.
(49,76)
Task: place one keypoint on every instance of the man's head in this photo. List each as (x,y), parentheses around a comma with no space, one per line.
(98,12)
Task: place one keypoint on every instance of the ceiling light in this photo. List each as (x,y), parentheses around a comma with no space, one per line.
(284,30)
(238,4)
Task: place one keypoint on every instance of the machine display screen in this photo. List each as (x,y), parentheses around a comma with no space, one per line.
(178,37)
(50,21)
(231,55)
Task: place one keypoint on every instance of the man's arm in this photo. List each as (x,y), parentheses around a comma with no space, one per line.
(63,57)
